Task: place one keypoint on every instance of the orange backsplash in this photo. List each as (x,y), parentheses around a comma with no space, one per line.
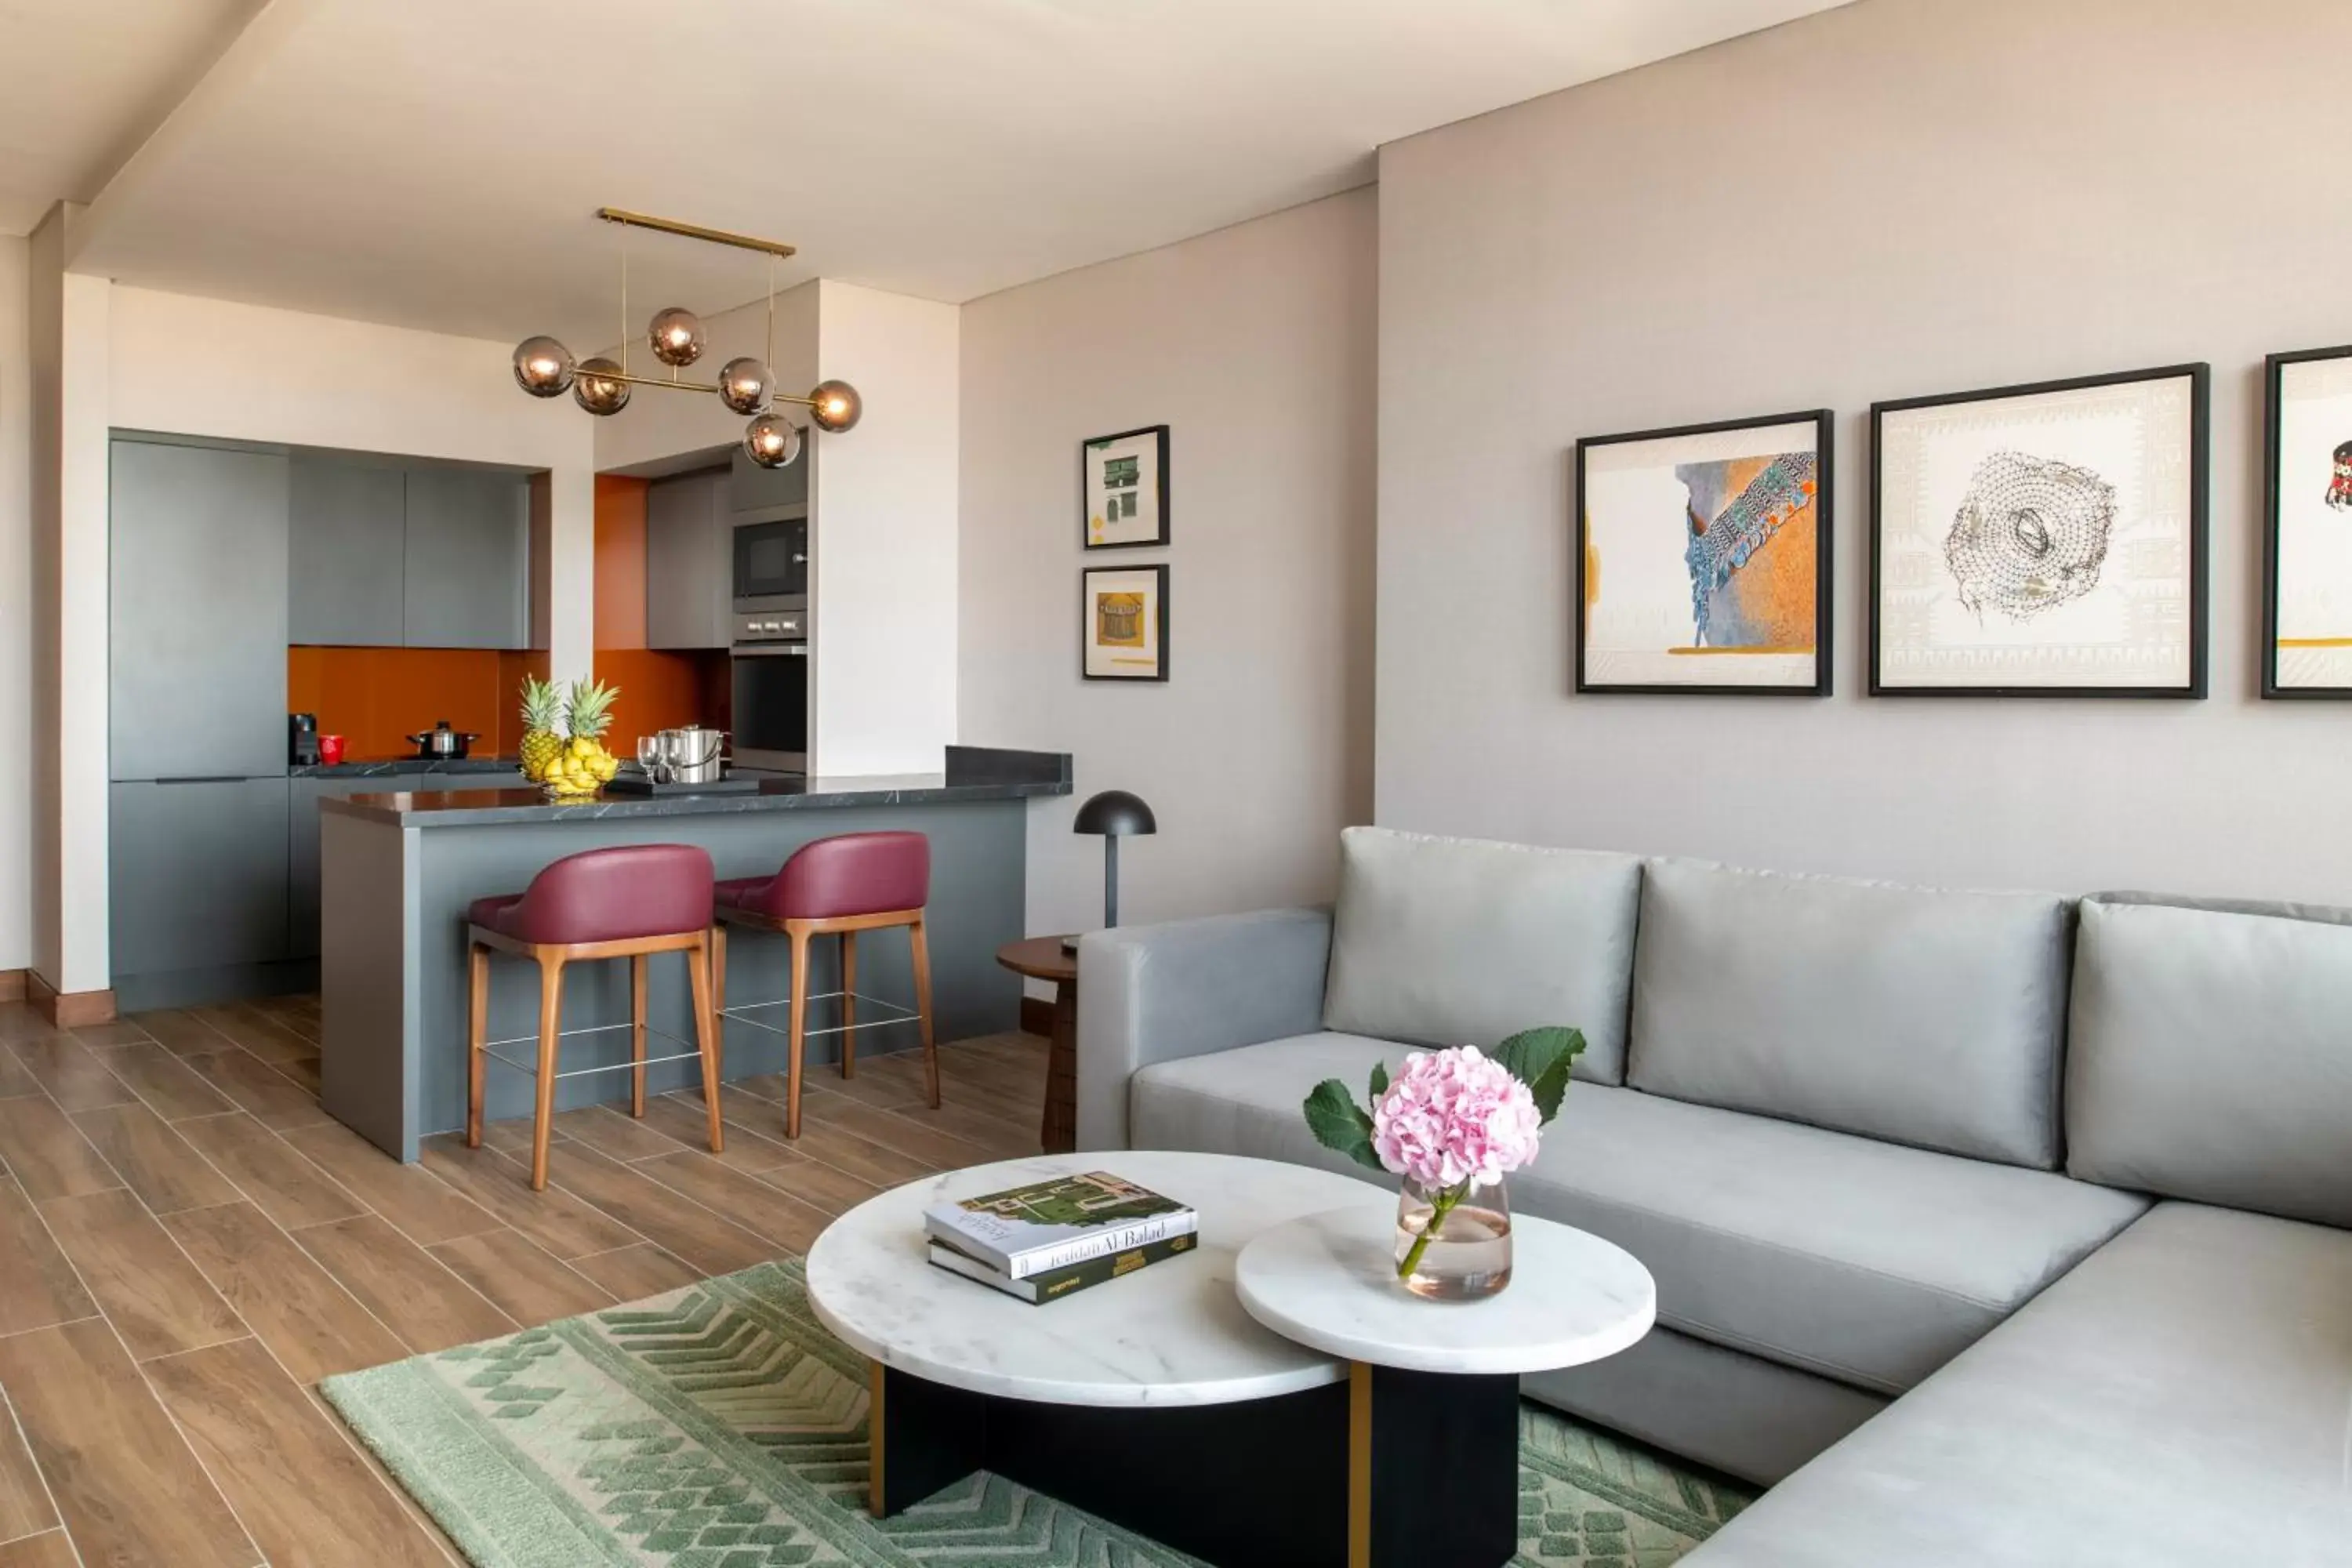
(376,696)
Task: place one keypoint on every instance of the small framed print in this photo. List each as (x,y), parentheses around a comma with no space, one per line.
(1123,489)
(2041,540)
(1125,611)
(2308,536)
(1703,559)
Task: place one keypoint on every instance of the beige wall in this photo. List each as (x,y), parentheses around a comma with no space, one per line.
(1254,345)
(15,604)
(1901,197)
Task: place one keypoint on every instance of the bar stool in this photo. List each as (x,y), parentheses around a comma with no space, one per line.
(849,883)
(627,903)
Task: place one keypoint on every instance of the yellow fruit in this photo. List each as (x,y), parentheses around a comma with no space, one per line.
(582,745)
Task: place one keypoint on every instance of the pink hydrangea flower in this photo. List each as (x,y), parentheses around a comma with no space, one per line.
(1454,1115)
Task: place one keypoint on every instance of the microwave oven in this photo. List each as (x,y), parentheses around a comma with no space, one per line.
(771,564)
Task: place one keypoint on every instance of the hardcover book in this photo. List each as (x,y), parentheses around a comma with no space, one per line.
(1054,1224)
(1055,1283)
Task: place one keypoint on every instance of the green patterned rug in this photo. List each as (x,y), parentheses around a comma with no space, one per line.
(723,1426)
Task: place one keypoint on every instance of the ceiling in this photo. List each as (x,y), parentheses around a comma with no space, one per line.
(434,162)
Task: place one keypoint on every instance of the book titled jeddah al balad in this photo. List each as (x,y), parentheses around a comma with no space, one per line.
(1054,1224)
(1055,1283)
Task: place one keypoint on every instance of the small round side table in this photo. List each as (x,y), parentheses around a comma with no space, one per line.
(1043,958)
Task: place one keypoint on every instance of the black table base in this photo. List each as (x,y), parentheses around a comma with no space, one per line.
(1391,1469)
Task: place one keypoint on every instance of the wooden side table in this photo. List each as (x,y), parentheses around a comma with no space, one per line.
(1042,958)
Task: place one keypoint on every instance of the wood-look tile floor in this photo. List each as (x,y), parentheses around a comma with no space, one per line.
(188,1243)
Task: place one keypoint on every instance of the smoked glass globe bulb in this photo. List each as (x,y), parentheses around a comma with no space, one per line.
(771,440)
(676,335)
(596,391)
(542,367)
(835,405)
(744,385)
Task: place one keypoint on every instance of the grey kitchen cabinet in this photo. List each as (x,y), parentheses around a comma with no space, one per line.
(752,488)
(346,553)
(689,562)
(468,565)
(197,874)
(197,612)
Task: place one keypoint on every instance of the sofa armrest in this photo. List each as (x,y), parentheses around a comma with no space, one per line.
(1160,992)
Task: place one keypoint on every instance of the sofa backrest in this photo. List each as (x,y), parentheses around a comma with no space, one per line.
(1449,941)
(1913,1015)
(2211,1053)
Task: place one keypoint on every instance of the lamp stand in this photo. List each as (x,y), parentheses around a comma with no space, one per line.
(1110,880)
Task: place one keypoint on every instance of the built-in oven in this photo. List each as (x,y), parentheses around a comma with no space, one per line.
(770,712)
(771,561)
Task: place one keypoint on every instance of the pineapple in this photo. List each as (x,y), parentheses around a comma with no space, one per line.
(542,721)
(582,763)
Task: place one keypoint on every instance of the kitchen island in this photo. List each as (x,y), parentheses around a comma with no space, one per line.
(400,868)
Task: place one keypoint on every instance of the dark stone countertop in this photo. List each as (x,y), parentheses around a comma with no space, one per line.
(389,767)
(972,773)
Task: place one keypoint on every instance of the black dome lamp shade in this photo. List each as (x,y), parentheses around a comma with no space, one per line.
(1114,813)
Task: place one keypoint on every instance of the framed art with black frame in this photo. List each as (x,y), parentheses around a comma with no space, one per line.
(1125,611)
(1123,489)
(2307,526)
(2042,541)
(1703,559)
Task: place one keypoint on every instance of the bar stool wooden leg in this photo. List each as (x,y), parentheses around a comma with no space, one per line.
(637,966)
(477,1036)
(705,1036)
(922,952)
(797,1035)
(849,1003)
(718,995)
(550,1024)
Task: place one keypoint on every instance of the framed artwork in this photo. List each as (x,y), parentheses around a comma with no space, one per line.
(1703,558)
(1126,619)
(2041,540)
(2307,539)
(1123,489)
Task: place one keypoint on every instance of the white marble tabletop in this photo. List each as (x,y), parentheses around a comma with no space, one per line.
(1328,1281)
(1172,1334)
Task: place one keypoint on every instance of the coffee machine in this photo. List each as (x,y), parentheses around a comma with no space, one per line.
(303,739)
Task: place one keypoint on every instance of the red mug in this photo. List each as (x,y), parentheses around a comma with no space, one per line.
(330,749)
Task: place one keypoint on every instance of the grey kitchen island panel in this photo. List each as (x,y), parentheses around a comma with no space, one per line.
(399,871)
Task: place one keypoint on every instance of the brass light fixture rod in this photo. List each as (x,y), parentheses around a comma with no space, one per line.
(696,231)
(708,386)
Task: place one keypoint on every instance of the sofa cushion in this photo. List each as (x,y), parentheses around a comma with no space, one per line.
(2177,1401)
(1864,1261)
(1450,941)
(2211,1057)
(1929,1017)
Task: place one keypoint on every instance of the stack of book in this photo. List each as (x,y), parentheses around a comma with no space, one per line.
(1051,1239)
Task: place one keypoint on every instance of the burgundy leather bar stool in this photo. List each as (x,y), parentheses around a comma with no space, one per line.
(627,903)
(849,883)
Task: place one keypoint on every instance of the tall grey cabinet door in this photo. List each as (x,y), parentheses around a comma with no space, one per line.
(197,877)
(197,612)
(754,488)
(689,562)
(344,553)
(468,560)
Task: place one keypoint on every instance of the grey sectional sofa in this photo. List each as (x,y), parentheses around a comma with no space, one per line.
(1990,1228)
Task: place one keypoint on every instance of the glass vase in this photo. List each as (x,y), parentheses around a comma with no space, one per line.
(1454,1244)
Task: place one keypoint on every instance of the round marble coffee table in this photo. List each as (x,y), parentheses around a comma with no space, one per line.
(1434,1386)
(1153,1401)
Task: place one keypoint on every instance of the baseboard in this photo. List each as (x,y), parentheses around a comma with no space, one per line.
(68,1009)
(12,985)
(1036,1015)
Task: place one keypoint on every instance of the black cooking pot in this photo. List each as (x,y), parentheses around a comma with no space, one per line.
(443,743)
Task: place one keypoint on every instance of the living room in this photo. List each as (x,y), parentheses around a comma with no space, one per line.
(1669,669)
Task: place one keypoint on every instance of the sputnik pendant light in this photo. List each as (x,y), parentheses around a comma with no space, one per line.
(545,368)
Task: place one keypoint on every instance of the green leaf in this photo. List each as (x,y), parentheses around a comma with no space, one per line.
(1339,1122)
(1380,1082)
(1540,1058)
